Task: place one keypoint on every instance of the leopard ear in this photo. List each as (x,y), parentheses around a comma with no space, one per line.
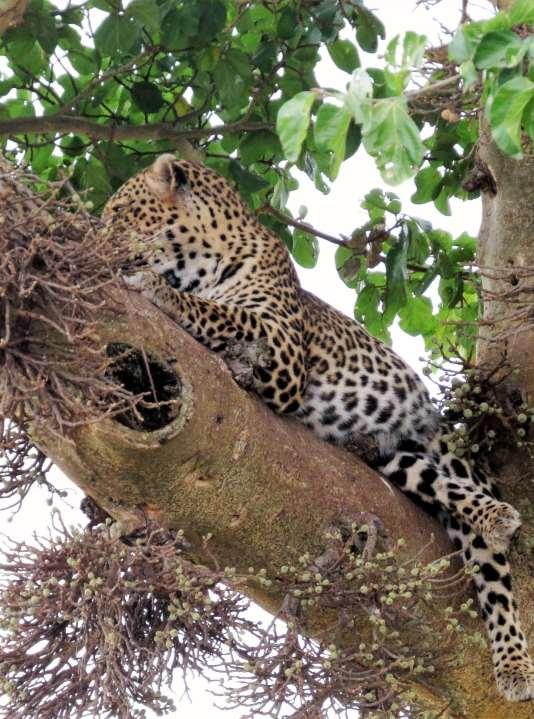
(165,177)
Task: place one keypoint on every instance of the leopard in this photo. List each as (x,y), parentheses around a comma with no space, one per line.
(225,277)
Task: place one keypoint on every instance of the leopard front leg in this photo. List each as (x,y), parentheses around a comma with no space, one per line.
(217,324)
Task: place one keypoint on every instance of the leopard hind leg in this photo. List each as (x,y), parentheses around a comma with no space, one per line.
(443,482)
(512,665)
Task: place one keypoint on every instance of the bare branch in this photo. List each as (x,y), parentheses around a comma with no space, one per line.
(65,123)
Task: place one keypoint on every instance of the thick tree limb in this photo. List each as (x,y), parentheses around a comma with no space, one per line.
(264,486)
(65,123)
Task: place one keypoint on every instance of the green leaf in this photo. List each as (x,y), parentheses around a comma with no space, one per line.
(213,18)
(116,35)
(349,265)
(147,14)
(427,182)
(367,303)
(367,311)
(465,41)
(179,25)
(258,17)
(344,54)
(248,182)
(528,119)
(91,175)
(240,63)
(229,85)
(392,137)
(39,20)
(469,73)
(260,145)
(396,273)
(330,134)
(522,12)
(83,61)
(418,249)
(147,96)
(451,290)
(293,121)
(376,204)
(440,240)
(265,57)
(506,114)
(416,317)
(305,249)
(288,24)
(358,99)
(413,49)
(353,139)
(369,29)
(499,49)
(441,201)
(6,86)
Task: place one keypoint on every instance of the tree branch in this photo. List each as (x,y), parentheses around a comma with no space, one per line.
(59,124)
(304,226)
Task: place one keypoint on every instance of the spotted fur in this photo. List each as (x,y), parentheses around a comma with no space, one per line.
(223,276)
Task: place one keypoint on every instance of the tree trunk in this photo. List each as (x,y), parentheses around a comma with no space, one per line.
(506,256)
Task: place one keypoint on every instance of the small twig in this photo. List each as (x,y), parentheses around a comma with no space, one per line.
(304,226)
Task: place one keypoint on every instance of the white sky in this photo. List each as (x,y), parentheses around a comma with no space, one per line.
(338,212)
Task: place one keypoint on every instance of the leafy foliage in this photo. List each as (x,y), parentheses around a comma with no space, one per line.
(503,49)
(119,83)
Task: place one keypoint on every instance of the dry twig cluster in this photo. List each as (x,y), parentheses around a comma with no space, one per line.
(57,276)
(94,627)
(511,302)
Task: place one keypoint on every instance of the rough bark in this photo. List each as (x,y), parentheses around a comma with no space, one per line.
(506,252)
(11,13)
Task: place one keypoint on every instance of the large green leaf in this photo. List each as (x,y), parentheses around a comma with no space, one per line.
(506,114)
(396,273)
(499,49)
(293,121)
(428,182)
(147,96)
(369,29)
(392,137)
(116,34)
(147,14)
(213,18)
(465,41)
(344,54)
(330,132)
(305,249)
(416,317)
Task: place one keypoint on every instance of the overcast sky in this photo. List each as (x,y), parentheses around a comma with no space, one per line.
(338,212)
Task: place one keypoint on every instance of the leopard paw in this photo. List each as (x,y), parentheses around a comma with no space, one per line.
(518,685)
(499,526)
